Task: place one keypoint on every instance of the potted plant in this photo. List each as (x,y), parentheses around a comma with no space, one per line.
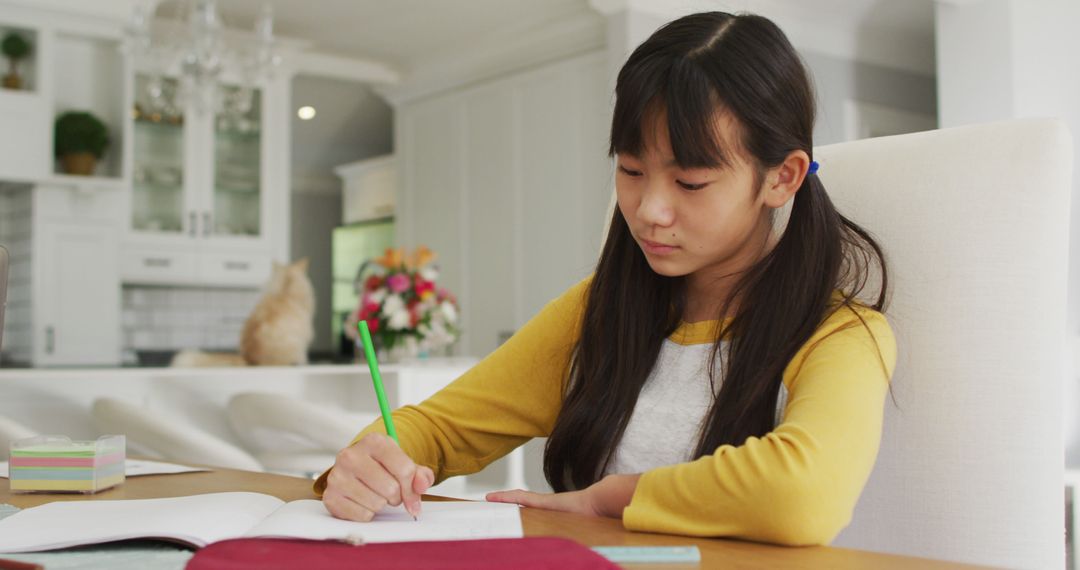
(14,47)
(80,140)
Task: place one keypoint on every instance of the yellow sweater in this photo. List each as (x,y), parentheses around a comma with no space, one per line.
(796,485)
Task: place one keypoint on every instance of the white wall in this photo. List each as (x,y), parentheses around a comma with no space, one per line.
(351,123)
(508,182)
(1004,59)
(975,72)
(839,81)
(314,216)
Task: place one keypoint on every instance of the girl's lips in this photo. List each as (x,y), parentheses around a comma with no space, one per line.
(657,248)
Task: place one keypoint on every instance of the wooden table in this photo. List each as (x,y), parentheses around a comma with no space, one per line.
(591,531)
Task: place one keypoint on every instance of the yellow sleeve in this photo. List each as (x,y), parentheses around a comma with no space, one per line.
(798,484)
(511,396)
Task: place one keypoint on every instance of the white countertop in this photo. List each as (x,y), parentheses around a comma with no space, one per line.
(459,362)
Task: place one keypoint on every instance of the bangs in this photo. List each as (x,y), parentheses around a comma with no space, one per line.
(678,88)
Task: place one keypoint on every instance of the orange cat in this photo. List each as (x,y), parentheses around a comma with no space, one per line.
(278,331)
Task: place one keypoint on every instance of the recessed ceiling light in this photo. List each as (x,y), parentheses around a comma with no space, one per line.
(306,113)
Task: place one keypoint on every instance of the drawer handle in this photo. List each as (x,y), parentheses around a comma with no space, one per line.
(157,261)
(237,265)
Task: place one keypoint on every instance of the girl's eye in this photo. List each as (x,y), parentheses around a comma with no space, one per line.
(629,172)
(689,186)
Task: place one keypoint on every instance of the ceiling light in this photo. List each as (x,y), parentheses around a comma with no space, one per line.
(307,112)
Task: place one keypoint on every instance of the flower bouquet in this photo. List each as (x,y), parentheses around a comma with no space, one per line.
(406,313)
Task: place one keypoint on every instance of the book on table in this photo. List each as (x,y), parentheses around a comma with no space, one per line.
(199,520)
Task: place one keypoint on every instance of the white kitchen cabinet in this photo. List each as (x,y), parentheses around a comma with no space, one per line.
(65,53)
(212,182)
(77,306)
(368,189)
(24,151)
(64,293)
(24,144)
(204,189)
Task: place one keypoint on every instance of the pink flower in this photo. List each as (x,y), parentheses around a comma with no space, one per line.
(424,287)
(398,282)
(370,308)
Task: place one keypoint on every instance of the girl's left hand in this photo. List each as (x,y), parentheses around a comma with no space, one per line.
(605,498)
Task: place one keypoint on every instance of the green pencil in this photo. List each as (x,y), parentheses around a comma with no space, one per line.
(373,365)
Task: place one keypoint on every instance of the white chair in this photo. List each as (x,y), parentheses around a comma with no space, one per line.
(168,437)
(290,435)
(975,223)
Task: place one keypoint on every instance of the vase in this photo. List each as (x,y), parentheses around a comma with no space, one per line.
(397,354)
(394,355)
(80,163)
(12,81)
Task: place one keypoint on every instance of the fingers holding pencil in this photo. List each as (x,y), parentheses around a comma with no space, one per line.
(407,474)
(372,473)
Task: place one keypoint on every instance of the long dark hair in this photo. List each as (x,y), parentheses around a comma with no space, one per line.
(691,68)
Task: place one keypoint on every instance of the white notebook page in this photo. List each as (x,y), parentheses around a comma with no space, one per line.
(203,519)
(450,520)
(197,520)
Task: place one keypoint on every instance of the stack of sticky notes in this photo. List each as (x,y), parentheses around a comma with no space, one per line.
(56,463)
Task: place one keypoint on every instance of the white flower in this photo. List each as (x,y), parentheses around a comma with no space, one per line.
(429,273)
(399,320)
(435,335)
(378,295)
(392,305)
(449,312)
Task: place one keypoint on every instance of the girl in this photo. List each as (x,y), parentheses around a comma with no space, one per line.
(716,375)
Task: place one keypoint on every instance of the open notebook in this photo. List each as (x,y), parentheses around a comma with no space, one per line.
(199,520)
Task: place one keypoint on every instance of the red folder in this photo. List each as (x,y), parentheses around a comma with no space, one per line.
(519,553)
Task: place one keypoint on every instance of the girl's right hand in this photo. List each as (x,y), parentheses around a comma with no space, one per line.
(372,473)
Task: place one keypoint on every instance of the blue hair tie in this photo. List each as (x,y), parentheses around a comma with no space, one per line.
(813,167)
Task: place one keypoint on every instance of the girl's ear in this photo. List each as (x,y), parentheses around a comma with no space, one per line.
(783,180)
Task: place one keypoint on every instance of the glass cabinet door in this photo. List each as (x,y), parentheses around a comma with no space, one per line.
(158,158)
(237,163)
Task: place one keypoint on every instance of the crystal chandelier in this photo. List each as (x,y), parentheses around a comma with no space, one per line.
(193,49)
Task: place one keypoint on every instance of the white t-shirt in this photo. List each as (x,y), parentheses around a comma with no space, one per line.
(666,423)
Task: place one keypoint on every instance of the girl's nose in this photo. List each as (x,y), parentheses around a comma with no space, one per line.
(655,208)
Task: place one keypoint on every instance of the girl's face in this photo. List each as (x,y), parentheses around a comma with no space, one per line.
(706,223)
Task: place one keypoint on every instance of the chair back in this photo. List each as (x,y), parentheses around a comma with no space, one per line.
(975,225)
